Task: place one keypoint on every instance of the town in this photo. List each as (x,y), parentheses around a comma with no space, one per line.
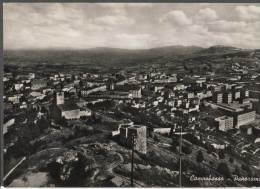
(72,127)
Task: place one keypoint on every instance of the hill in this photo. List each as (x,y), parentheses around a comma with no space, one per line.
(191,57)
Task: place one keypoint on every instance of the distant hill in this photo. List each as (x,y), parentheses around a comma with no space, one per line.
(219,49)
(100,55)
(159,50)
(116,57)
(177,50)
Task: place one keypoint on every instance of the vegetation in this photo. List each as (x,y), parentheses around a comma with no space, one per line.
(224,170)
(199,157)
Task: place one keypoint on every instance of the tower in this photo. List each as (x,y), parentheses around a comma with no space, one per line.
(110,84)
(60,98)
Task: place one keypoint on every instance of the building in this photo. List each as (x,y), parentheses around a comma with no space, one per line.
(15,99)
(85,112)
(189,95)
(246,129)
(242,113)
(244,93)
(194,79)
(138,132)
(60,98)
(236,94)
(68,110)
(110,85)
(18,86)
(218,97)
(134,91)
(254,94)
(31,75)
(227,97)
(256,106)
(8,124)
(244,101)
(224,123)
(244,118)
(216,88)
(86,92)
(38,84)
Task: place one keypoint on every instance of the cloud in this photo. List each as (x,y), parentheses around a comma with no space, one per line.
(126,5)
(129,25)
(122,8)
(114,20)
(176,17)
(134,41)
(248,12)
(227,26)
(206,14)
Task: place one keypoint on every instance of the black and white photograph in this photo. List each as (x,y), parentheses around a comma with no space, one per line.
(131,94)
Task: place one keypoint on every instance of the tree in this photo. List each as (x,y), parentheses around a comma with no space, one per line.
(221,154)
(199,157)
(63,122)
(54,169)
(79,94)
(175,143)
(43,123)
(23,99)
(81,83)
(186,149)
(71,171)
(210,148)
(156,138)
(43,110)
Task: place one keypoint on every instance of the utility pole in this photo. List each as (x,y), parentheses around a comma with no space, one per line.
(132,159)
(180,154)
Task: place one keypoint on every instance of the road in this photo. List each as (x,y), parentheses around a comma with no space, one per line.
(13,169)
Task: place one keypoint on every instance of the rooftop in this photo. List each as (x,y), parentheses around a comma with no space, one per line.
(223,117)
(68,106)
(127,87)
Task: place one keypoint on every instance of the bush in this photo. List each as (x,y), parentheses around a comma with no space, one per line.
(71,169)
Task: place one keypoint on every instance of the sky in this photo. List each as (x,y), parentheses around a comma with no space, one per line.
(129,25)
